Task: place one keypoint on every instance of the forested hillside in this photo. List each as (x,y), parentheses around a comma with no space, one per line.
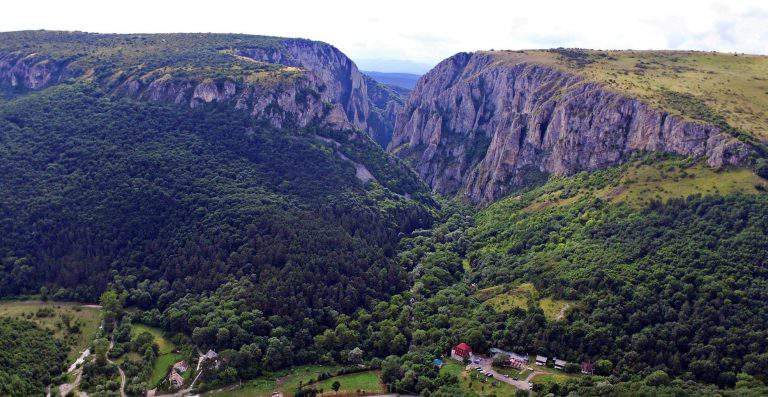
(675,284)
(169,203)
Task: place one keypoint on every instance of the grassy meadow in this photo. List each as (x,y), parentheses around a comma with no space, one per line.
(49,315)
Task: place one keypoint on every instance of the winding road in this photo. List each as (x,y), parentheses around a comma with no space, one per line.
(120,370)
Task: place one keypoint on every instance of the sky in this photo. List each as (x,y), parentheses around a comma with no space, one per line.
(413,35)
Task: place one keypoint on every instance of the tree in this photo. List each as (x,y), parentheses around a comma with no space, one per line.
(501,360)
(355,356)
(111,308)
(657,378)
(603,367)
(100,349)
(336,386)
(391,370)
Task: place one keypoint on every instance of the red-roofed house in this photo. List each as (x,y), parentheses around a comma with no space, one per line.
(587,368)
(461,351)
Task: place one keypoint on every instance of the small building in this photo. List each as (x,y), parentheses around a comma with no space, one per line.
(176,380)
(438,362)
(519,357)
(461,351)
(211,355)
(181,367)
(587,368)
(211,358)
(559,364)
(541,360)
(518,364)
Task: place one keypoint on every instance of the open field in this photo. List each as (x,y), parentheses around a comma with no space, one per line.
(50,317)
(285,381)
(366,382)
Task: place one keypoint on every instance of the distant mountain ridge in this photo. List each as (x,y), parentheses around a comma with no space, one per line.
(401,80)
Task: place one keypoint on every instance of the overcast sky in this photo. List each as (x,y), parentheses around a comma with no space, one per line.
(424,31)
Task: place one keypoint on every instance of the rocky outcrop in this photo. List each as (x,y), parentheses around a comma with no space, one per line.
(305,82)
(29,71)
(386,103)
(481,128)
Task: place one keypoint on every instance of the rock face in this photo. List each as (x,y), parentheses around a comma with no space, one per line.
(309,83)
(386,103)
(481,129)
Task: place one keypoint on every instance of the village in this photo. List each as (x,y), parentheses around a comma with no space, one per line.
(515,369)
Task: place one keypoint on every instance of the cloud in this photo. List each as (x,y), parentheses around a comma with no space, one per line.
(428,31)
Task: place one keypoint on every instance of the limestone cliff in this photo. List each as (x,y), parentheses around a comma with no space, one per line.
(284,82)
(481,128)
(386,103)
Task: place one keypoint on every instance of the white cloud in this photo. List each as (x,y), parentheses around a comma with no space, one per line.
(425,31)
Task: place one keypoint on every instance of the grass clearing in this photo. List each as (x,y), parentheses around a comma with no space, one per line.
(365,382)
(640,185)
(88,319)
(165,346)
(470,385)
(163,365)
(554,309)
(285,381)
(551,377)
(503,300)
(166,356)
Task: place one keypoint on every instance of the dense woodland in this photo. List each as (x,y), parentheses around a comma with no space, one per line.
(30,358)
(174,207)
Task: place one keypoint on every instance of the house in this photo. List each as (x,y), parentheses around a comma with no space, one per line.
(512,355)
(176,380)
(587,368)
(181,367)
(461,351)
(559,364)
(211,355)
(541,360)
(438,362)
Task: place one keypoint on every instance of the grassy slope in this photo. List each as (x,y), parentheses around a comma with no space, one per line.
(636,183)
(504,299)
(88,316)
(733,86)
